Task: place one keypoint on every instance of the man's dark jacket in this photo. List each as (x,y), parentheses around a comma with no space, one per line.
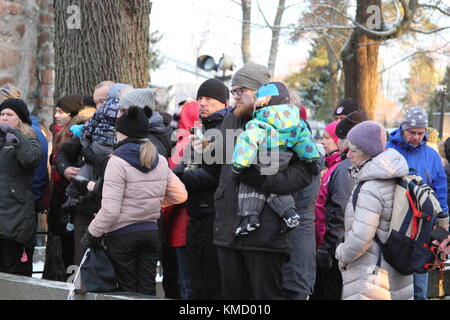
(267,237)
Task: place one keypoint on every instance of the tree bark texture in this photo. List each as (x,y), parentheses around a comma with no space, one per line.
(360,62)
(112,44)
(246,21)
(276,36)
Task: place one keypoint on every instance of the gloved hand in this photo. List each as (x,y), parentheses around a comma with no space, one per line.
(291,220)
(11,139)
(5,128)
(247,224)
(324,259)
(89,241)
(179,170)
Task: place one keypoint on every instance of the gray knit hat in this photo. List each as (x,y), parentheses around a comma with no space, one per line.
(251,76)
(416,117)
(369,137)
(139,98)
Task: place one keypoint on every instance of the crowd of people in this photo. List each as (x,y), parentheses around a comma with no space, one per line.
(232,196)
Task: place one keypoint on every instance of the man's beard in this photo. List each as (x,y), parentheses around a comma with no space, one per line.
(243,112)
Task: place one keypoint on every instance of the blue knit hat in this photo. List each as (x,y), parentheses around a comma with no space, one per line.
(369,137)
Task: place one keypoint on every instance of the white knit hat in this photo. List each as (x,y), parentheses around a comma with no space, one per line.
(139,98)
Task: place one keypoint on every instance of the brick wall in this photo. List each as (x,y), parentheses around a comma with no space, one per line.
(26,52)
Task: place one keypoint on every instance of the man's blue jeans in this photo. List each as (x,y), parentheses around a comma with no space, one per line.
(420,286)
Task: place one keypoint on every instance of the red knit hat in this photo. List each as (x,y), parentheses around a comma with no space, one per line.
(331,129)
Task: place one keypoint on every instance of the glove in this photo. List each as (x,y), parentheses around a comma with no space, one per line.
(248,224)
(5,128)
(11,139)
(324,259)
(291,220)
(179,170)
(80,184)
(89,241)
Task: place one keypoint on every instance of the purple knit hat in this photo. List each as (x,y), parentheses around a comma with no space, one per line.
(369,137)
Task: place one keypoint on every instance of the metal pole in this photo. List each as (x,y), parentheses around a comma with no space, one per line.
(441,124)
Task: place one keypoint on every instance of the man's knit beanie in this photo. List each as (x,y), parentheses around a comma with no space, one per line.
(214,88)
(351,120)
(346,107)
(19,107)
(251,76)
(139,98)
(369,137)
(134,122)
(414,118)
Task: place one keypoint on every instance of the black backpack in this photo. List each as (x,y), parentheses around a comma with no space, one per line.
(414,215)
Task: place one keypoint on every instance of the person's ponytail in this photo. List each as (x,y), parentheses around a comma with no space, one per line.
(148,154)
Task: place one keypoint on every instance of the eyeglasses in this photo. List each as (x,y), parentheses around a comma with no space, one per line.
(238,91)
(416,133)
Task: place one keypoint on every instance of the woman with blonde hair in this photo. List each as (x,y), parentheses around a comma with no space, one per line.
(137,183)
(20,153)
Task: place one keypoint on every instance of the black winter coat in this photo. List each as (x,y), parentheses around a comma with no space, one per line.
(17,214)
(267,237)
(198,182)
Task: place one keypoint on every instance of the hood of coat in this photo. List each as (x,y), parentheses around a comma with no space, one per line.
(389,164)
(131,152)
(396,138)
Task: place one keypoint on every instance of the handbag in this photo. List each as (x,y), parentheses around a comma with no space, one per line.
(95,274)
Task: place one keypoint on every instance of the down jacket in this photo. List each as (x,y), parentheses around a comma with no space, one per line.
(132,193)
(359,253)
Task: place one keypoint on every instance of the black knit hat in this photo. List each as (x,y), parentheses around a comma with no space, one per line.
(214,88)
(349,122)
(19,107)
(71,104)
(347,106)
(134,123)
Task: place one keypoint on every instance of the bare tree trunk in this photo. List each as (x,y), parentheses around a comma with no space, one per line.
(246,21)
(360,62)
(276,36)
(112,44)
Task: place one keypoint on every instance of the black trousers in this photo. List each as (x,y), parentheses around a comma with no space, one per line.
(328,284)
(10,258)
(134,256)
(251,274)
(202,260)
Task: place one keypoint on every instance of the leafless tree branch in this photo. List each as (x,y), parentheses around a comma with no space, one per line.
(429,32)
(395,27)
(435,7)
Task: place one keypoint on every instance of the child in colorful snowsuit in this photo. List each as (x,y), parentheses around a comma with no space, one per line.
(276,127)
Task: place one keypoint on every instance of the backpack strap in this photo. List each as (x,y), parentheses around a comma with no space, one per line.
(378,241)
(356,194)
